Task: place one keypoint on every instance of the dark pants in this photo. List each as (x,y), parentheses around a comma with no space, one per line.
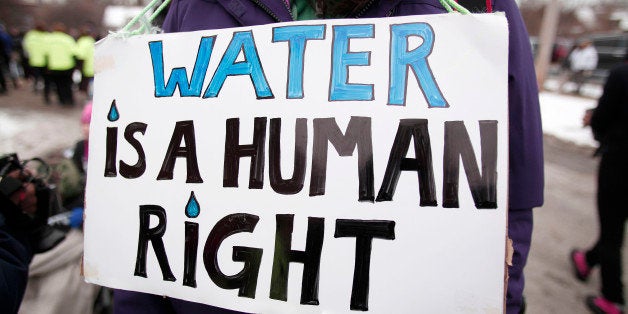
(520,224)
(580,77)
(3,70)
(48,82)
(612,210)
(63,82)
(84,85)
(37,73)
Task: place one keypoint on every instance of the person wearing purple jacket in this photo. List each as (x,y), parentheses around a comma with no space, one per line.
(525,134)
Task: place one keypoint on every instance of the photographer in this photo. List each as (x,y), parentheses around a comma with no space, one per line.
(15,248)
(26,202)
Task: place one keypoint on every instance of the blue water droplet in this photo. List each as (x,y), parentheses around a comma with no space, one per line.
(113,115)
(192,209)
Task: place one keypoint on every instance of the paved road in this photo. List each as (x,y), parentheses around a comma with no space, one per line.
(567,220)
(29,127)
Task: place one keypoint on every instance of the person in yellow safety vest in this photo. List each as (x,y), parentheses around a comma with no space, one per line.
(61,53)
(85,55)
(35,47)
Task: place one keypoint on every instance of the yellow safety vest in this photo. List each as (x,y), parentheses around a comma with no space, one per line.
(61,50)
(85,52)
(34,44)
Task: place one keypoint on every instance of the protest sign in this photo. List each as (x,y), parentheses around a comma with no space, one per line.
(316,166)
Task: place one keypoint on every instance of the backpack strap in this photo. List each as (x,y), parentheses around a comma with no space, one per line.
(477,6)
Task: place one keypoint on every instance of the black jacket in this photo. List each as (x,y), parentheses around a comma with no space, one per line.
(15,256)
(610,119)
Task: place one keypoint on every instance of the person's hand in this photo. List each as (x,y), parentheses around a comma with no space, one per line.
(586,119)
(25,197)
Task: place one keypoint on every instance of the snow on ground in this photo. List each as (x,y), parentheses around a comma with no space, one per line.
(562,117)
(562,113)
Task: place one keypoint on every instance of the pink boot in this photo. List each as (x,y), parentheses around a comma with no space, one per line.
(580,266)
(601,305)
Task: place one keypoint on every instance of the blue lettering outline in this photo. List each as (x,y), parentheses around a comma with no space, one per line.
(297,37)
(240,42)
(179,76)
(339,87)
(416,60)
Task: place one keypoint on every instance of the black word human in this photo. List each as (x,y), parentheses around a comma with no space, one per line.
(410,133)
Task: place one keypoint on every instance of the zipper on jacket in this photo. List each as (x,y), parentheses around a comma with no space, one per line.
(364,9)
(287,6)
(368,6)
(267,10)
(270,12)
(276,18)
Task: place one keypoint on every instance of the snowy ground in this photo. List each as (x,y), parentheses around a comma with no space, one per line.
(562,118)
(562,113)
(33,129)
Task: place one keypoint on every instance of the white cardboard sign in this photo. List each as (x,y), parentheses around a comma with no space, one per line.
(318,166)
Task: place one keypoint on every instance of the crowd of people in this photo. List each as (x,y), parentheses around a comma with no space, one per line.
(50,58)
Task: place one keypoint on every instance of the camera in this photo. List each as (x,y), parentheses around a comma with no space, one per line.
(42,236)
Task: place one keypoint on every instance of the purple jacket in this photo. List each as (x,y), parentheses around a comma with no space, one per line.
(526,142)
(525,134)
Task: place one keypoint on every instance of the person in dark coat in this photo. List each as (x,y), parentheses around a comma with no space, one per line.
(609,123)
(15,256)
(15,248)
(525,135)
(5,57)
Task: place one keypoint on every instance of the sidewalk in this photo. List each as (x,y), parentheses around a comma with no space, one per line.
(562,113)
(33,129)
(567,220)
